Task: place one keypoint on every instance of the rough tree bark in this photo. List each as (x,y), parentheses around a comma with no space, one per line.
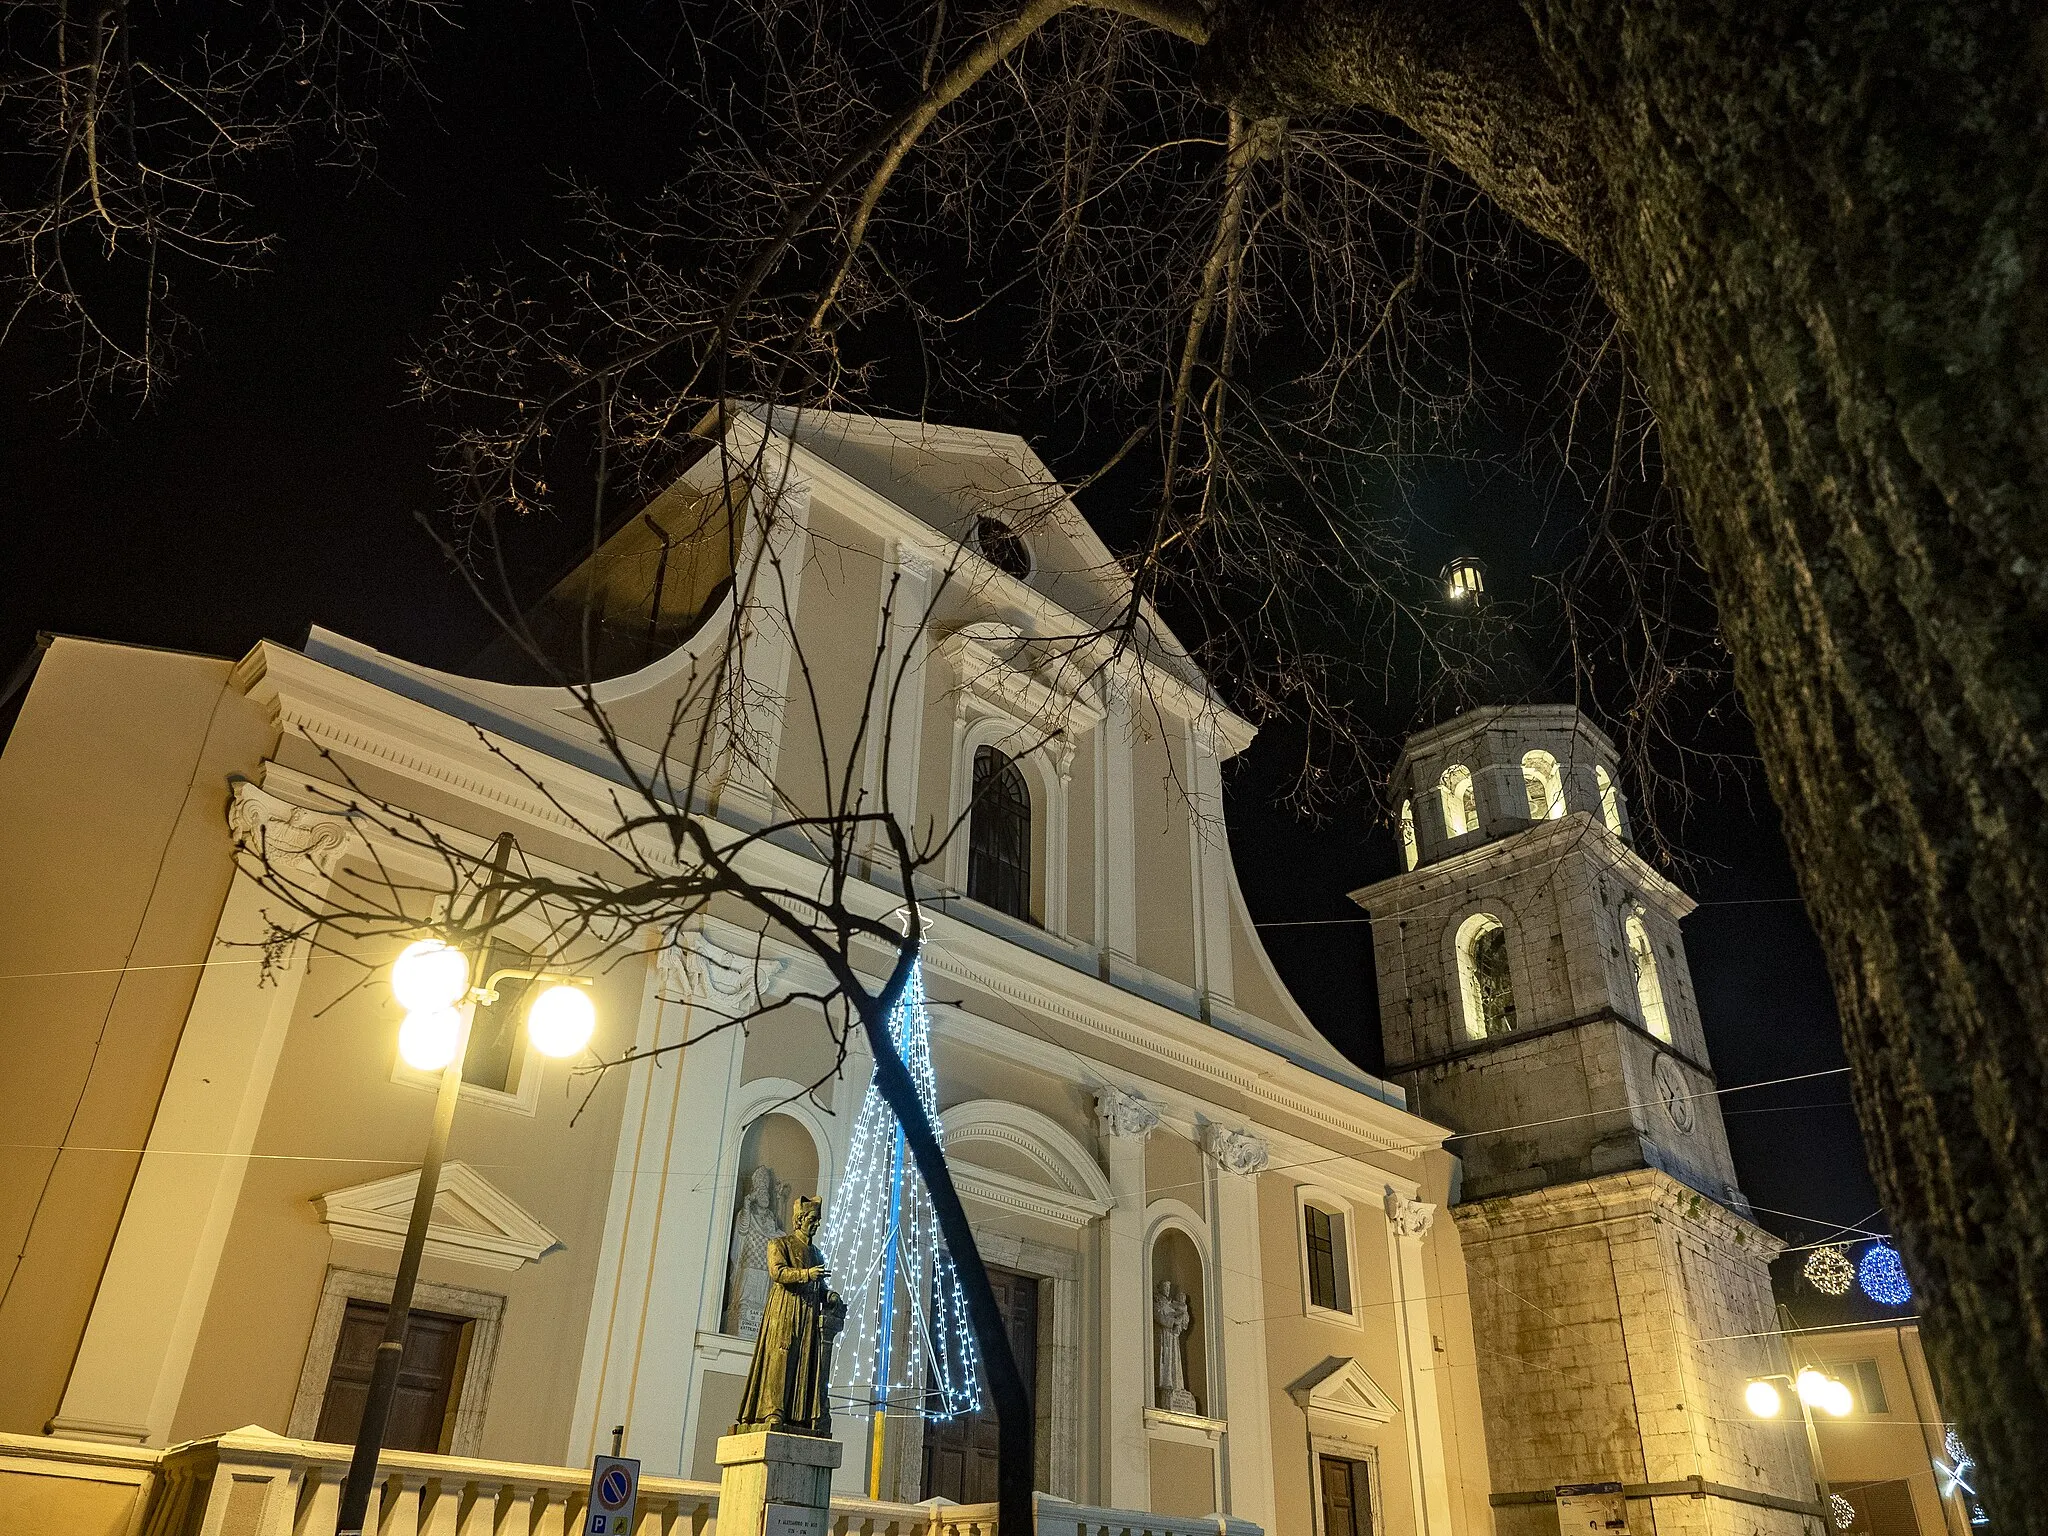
(1823,225)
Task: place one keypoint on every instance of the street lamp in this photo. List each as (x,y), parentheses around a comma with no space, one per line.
(1811,1389)
(431,980)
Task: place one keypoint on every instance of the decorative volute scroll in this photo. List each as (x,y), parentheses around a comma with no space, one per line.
(291,839)
(1238,1151)
(1120,1112)
(696,967)
(1409,1218)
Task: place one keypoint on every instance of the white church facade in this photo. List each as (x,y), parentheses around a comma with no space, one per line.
(1219,1244)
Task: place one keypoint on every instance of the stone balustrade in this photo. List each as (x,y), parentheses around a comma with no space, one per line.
(253,1483)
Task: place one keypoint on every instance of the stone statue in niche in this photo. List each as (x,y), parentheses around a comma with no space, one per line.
(756,1224)
(785,1390)
(1171,1315)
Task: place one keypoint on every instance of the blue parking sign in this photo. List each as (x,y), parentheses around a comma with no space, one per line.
(614,1486)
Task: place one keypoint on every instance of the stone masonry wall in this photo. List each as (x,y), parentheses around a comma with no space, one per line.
(1619,1320)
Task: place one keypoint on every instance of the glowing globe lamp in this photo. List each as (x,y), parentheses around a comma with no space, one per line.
(1763,1399)
(429,975)
(1836,1399)
(561,1021)
(1812,1387)
(1882,1275)
(428,1038)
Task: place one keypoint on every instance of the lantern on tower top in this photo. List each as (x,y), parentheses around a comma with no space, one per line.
(1465,581)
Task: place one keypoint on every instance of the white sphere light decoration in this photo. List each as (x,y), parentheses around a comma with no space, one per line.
(561,1020)
(1829,1271)
(1763,1399)
(429,975)
(1843,1511)
(428,1038)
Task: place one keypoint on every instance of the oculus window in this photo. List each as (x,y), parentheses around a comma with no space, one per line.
(1002,546)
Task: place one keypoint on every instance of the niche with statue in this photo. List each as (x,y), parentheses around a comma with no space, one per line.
(778,1162)
(1179,1331)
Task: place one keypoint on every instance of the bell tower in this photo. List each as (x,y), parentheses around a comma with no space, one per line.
(1535,997)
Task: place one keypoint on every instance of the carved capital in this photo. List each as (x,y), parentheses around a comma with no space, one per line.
(1238,1151)
(1409,1218)
(693,966)
(288,838)
(1121,1112)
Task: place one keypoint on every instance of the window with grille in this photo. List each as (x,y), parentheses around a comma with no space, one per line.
(999,836)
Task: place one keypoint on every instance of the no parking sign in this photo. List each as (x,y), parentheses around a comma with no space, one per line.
(614,1485)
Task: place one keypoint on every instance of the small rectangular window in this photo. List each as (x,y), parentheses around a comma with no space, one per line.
(1329,1268)
(1870,1387)
(497,1034)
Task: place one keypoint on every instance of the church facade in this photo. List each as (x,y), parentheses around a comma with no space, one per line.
(1221,1248)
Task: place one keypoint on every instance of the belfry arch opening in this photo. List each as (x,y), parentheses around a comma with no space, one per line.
(1461,801)
(1610,799)
(1484,978)
(1642,955)
(1545,784)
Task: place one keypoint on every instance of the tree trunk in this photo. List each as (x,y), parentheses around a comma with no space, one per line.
(1824,227)
(1016,1433)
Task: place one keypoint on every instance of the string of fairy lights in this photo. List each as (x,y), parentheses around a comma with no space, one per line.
(907,1346)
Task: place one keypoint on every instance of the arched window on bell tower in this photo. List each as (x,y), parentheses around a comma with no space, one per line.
(999,836)
(1483,976)
(1461,803)
(1610,798)
(1411,854)
(1642,956)
(1545,784)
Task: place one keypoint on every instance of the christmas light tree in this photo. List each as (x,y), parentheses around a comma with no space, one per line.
(907,1345)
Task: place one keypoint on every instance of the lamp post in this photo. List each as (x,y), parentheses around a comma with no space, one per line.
(1810,1389)
(433,980)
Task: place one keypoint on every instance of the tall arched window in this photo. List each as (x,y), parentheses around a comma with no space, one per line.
(1483,976)
(1411,855)
(1461,804)
(1610,799)
(1545,784)
(1642,957)
(999,836)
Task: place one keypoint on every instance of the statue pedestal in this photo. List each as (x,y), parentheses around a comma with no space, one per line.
(789,1476)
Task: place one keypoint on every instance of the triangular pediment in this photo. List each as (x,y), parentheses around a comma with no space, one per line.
(475,1222)
(1342,1388)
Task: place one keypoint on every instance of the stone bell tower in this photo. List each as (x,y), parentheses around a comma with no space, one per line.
(1534,996)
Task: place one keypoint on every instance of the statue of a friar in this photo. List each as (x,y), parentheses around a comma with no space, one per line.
(785,1389)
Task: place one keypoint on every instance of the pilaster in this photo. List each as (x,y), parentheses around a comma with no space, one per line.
(1125,1119)
(138,1342)
(1408,1224)
(662,1223)
(1116,862)
(1236,1158)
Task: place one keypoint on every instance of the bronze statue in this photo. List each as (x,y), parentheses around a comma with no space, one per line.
(785,1388)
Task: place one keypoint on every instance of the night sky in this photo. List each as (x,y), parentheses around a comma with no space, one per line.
(275,485)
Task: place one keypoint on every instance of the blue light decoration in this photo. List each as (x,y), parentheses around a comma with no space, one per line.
(1882,1275)
(908,1346)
